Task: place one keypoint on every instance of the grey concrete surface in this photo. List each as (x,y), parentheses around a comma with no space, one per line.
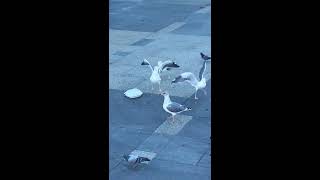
(176,29)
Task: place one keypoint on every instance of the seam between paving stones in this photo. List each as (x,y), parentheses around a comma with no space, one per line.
(201,158)
(165,145)
(180,162)
(115,166)
(202,140)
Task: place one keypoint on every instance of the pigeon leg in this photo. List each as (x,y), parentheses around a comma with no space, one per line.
(135,165)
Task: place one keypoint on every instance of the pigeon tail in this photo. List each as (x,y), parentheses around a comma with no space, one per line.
(126,157)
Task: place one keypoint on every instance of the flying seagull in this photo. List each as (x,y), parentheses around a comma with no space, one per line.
(172,107)
(155,76)
(191,79)
(134,160)
(204,57)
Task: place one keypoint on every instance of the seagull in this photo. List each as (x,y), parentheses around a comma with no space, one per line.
(191,79)
(155,76)
(135,160)
(204,57)
(172,107)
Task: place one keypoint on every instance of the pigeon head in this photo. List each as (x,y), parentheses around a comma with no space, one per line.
(204,57)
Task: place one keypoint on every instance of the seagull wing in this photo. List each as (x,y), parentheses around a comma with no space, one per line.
(176,107)
(188,77)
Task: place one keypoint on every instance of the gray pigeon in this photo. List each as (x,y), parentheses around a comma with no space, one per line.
(135,160)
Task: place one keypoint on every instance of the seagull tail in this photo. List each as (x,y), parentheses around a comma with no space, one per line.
(189,109)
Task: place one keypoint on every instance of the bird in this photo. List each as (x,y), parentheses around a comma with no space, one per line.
(191,79)
(204,57)
(167,65)
(172,107)
(155,76)
(135,160)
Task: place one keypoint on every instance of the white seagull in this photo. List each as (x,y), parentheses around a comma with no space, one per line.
(172,107)
(134,160)
(155,76)
(191,78)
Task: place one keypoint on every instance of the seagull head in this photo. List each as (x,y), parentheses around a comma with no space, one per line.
(144,62)
(164,93)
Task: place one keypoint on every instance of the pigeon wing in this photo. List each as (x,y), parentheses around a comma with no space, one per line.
(142,159)
(168,64)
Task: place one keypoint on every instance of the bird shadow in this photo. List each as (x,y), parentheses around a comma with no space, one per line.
(138,167)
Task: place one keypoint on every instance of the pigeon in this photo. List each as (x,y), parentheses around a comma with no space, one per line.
(155,76)
(172,107)
(192,80)
(204,57)
(135,160)
(167,65)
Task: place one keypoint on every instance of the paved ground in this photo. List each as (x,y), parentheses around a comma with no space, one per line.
(178,29)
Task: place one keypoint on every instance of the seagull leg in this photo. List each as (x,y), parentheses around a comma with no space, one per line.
(195,94)
(159,87)
(152,86)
